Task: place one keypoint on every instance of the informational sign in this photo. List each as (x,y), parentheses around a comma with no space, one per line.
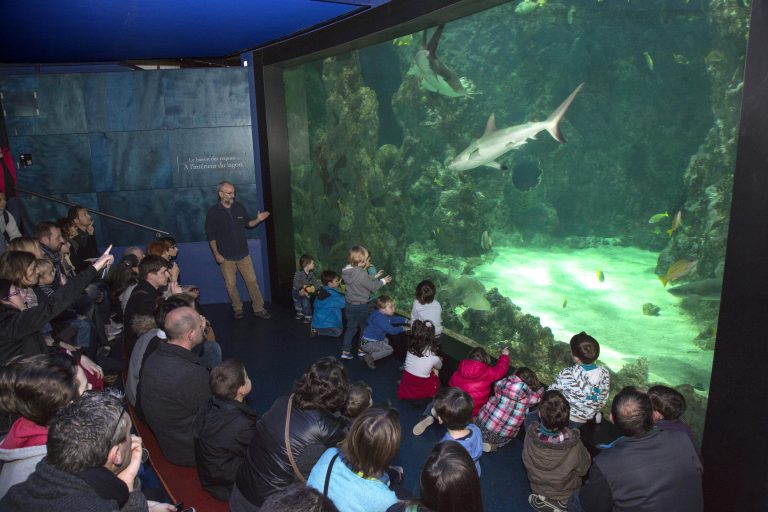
(202,163)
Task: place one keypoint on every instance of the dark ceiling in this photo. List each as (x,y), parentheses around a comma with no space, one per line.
(81,31)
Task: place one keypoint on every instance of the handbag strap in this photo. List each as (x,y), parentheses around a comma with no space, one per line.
(288,441)
(328,476)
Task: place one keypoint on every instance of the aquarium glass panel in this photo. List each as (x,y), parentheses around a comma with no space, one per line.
(552,166)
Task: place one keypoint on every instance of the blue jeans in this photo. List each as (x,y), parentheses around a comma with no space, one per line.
(301,303)
(84,330)
(357,318)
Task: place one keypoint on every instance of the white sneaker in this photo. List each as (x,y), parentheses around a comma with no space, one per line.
(423,425)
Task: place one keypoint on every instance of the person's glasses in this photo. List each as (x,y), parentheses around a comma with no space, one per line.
(12,294)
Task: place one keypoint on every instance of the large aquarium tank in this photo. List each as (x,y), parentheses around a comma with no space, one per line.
(553,166)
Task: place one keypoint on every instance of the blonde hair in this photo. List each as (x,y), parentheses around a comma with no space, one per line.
(357,256)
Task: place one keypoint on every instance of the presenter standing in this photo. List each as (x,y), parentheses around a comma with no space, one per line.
(225,226)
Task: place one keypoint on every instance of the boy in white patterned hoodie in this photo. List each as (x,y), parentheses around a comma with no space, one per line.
(585,385)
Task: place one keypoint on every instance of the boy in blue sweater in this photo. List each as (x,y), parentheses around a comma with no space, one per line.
(373,343)
(454,411)
(328,305)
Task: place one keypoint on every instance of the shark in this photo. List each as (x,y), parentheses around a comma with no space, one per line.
(433,74)
(495,143)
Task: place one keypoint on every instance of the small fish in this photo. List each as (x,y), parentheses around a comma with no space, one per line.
(658,217)
(677,221)
(403,41)
(714,57)
(571,12)
(525,7)
(600,275)
(485,241)
(679,58)
(678,269)
(565,302)
(648,60)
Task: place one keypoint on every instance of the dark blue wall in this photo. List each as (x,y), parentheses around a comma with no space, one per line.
(149,146)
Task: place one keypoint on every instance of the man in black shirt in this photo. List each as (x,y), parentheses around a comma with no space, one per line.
(224,227)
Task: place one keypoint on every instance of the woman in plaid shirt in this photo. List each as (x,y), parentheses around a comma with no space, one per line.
(503,415)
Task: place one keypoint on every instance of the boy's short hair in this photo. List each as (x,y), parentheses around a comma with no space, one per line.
(585,347)
(479,354)
(358,399)
(151,264)
(327,276)
(425,292)
(454,407)
(667,401)
(357,255)
(554,410)
(305,260)
(529,377)
(383,301)
(226,378)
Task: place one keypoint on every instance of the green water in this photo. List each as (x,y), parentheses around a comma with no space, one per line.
(612,310)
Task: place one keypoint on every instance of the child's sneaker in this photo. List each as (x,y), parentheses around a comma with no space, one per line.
(368,358)
(313,333)
(307,319)
(361,353)
(423,425)
(346,355)
(488,448)
(543,504)
(299,316)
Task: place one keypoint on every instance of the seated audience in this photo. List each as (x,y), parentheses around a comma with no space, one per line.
(585,385)
(34,388)
(668,405)
(84,248)
(91,465)
(328,305)
(354,476)
(312,425)
(122,279)
(27,244)
(359,399)
(420,380)
(174,384)
(646,470)
(453,408)
(449,483)
(224,429)
(298,498)
(553,455)
(502,416)
(20,327)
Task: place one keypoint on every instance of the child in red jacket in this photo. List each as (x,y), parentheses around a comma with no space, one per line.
(475,376)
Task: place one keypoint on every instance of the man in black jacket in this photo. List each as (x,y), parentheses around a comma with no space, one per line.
(91,464)
(173,385)
(646,470)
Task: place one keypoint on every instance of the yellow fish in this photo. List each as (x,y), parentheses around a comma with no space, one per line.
(658,217)
(600,275)
(678,269)
(403,41)
(677,221)
(648,60)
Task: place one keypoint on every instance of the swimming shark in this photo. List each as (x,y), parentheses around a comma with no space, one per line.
(433,74)
(706,289)
(494,143)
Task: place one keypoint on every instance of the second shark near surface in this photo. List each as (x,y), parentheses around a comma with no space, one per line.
(495,143)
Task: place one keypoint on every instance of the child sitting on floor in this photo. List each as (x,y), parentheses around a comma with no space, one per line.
(553,455)
(328,305)
(454,410)
(304,285)
(668,405)
(503,415)
(475,375)
(585,385)
(381,322)
(420,380)
(426,308)
(359,398)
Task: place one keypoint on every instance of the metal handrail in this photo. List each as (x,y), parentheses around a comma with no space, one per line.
(158,232)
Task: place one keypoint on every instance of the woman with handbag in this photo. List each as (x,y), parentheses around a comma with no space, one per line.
(292,435)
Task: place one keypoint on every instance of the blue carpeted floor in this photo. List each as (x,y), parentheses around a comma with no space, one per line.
(277,351)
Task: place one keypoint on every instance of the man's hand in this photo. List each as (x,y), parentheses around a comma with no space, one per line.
(261,216)
(128,475)
(156,506)
(219,258)
(90,366)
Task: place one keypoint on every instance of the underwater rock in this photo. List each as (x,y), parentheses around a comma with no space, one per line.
(651,309)
(631,374)
(386,156)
